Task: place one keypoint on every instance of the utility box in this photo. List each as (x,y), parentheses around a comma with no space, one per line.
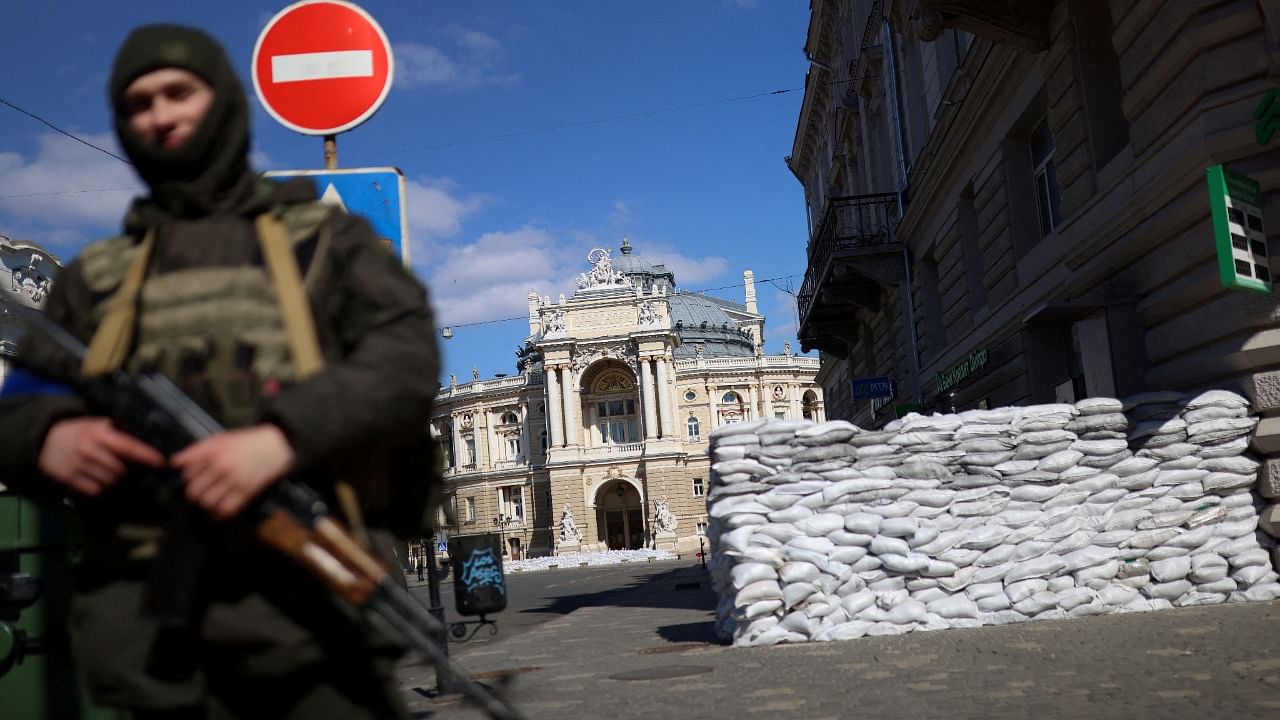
(38,679)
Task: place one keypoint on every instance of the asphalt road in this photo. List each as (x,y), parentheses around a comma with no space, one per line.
(537,597)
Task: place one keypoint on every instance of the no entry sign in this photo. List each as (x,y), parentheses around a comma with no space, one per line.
(322,67)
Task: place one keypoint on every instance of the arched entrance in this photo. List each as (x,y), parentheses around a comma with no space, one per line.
(620,516)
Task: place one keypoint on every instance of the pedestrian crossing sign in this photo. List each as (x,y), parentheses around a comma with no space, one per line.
(376,194)
(1235,202)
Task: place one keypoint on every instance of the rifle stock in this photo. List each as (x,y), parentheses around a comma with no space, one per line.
(293,518)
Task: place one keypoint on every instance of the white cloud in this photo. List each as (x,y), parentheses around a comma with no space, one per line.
(490,278)
(435,211)
(67,192)
(692,273)
(473,59)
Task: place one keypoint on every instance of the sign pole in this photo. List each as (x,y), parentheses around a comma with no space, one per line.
(444,680)
(331,152)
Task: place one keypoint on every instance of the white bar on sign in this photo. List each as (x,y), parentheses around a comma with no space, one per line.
(321,65)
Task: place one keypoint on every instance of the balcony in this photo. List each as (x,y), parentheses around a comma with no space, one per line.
(854,257)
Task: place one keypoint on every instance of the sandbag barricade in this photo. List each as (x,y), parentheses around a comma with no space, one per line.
(987,517)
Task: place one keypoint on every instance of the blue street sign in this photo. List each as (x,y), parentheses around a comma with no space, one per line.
(876,387)
(442,545)
(376,194)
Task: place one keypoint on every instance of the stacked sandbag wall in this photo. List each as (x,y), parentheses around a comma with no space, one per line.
(829,531)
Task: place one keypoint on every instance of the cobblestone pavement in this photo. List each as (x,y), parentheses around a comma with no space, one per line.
(650,654)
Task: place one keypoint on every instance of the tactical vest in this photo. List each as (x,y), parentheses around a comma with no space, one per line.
(228,335)
(218,332)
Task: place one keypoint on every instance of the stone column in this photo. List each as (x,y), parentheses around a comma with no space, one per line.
(664,397)
(712,421)
(569,392)
(753,403)
(647,401)
(458,447)
(526,451)
(494,453)
(766,392)
(556,430)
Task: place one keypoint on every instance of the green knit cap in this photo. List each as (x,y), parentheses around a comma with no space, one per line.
(192,178)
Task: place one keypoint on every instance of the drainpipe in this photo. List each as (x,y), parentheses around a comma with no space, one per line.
(895,110)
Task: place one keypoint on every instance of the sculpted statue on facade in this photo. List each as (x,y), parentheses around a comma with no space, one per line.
(625,353)
(647,315)
(601,273)
(663,520)
(555,324)
(569,532)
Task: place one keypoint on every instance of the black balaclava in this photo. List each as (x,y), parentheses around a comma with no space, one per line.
(212,168)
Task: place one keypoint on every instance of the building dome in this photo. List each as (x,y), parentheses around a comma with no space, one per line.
(640,272)
(703,321)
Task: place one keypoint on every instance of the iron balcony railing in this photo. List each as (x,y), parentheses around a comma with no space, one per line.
(850,222)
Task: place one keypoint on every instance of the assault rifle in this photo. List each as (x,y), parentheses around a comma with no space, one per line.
(293,519)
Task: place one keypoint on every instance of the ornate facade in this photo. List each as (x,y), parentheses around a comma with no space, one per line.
(599,440)
(1008,201)
(27,272)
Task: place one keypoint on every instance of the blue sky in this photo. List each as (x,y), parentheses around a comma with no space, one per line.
(530,132)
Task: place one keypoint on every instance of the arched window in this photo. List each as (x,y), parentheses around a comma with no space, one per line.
(732,409)
(695,429)
(808,404)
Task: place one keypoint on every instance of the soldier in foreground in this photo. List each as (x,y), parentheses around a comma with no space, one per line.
(180,614)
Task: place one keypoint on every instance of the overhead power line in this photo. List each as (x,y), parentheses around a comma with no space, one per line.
(73,136)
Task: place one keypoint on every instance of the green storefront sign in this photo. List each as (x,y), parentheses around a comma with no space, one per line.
(1235,202)
(948,379)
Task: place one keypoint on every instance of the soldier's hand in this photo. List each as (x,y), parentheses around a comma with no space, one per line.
(224,472)
(88,454)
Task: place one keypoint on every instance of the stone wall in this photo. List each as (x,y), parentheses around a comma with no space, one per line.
(828,531)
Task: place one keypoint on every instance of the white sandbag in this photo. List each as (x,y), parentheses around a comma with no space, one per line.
(939,569)
(1236,528)
(1167,591)
(1028,550)
(998,555)
(1035,493)
(821,524)
(1172,569)
(736,541)
(760,608)
(984,537)
(779,532)
(794,572)
(1059,461)
(1039,567)
(1217,482)
(1023,589)
(1038,603)
(819,545)
(882,545)
(848,555)
(1207,568)
(1111,538)
(1125,520)
(890,589)
(1147,539)
(924,534)
(908,611)
(758,591)
(1088,556)
(1074,541)
(795,593)
(846,538)
(911,562)
(1105,571)
(955,606)
(863,523)
(1165,552)
(1075,597)
(793,514)
(1263,592)
(858,602)
(1256,556)
(928,595)
(743,574)
(900,527)
(959,580)
(870,562)
(945,541)
(936,498)
(979,591)
(769,556)
(1224,587)
(850,630)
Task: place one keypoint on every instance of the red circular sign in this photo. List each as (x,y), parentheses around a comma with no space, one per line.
(322,67)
